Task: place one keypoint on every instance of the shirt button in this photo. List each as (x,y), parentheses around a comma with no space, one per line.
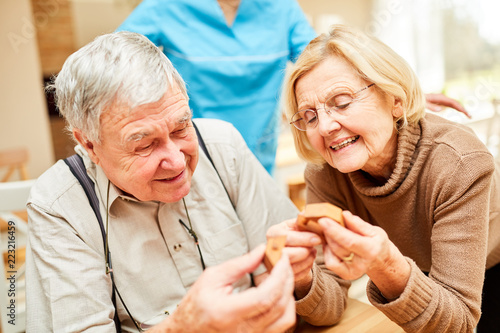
(177,247)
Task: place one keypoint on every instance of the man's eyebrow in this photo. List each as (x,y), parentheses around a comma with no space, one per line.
(137,136)
(187,117)
(142,134)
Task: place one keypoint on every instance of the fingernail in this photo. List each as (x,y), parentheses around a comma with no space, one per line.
(315,240)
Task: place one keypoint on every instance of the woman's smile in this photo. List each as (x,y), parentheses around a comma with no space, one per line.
(345,143)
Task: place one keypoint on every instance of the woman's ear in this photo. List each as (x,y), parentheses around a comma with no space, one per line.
(86,144)
(397,108)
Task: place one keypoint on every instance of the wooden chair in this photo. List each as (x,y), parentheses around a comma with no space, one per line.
(13,218)
(296,190)
(14,159)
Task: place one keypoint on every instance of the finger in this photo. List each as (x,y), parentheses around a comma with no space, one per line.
(282,315)
(271,321)
(285,321)
(436,101)
(356,224)
(339,250)
(298,254)
(256,301)
(234,269)
(454,104)
(433,107)
(303,271)
(348,270)
(331,260)
(281,228)
(342,241)
(330,227)
(302,239)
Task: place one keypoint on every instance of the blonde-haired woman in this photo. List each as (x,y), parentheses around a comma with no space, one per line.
(420,193)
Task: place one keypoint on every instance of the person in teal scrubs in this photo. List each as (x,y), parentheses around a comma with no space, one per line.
(233,65)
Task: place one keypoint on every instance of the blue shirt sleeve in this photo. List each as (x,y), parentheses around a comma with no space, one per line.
(301,32)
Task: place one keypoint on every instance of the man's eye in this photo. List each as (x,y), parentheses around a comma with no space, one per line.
(144,150)
(181,131)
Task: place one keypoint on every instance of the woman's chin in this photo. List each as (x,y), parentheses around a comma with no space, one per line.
(344,167)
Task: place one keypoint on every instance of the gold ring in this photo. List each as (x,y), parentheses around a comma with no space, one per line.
(348,258)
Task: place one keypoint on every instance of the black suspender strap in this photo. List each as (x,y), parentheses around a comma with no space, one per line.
(204,148)
(75,164)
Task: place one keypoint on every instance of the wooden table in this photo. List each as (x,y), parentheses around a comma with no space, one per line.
(359,317)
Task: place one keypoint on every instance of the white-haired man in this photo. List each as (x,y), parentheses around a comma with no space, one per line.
(163,222)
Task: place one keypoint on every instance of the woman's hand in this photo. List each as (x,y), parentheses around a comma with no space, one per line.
(436,102)
(372,253)
(301,253)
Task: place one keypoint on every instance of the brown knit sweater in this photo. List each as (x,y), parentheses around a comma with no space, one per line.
(441,208)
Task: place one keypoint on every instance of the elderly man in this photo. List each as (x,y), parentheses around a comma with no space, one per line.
(163,222)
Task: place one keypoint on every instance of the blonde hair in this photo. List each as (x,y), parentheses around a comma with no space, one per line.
(372,60)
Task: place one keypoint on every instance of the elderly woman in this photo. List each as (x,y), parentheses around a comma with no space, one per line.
(424,190)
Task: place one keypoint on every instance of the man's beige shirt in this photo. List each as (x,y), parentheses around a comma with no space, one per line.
(154,258)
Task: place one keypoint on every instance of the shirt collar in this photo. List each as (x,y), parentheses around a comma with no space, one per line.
(101,181)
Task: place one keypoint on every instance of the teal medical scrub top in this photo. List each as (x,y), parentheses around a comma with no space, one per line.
(234,73)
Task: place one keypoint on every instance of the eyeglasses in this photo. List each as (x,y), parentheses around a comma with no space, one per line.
(308,119)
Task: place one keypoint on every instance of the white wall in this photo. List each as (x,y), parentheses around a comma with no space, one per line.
(92,18)
(323,13)
(23,114)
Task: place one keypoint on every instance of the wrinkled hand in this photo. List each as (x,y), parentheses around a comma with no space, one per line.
(211,306)
(436,102)
(369,244)
(373,254)
(301,252)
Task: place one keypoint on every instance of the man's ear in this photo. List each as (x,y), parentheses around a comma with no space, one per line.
(397,108)
(86,144)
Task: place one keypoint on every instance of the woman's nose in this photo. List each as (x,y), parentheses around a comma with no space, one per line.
(327,122)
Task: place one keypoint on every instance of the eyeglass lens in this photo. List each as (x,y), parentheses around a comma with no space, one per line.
(305,119)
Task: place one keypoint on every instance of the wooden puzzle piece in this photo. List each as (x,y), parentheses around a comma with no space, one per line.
(274,248)
(308,220)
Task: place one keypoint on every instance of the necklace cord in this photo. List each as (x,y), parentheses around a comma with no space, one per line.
(192,233)
(109,268)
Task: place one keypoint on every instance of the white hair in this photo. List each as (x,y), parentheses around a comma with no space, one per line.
(118,68)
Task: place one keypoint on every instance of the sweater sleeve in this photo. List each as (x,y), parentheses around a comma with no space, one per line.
(449,298)
(326,301)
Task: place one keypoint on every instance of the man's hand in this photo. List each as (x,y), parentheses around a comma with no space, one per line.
(300,249)
(436,102)
(211,306)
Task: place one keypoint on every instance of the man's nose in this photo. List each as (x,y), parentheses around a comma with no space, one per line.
(172,156)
